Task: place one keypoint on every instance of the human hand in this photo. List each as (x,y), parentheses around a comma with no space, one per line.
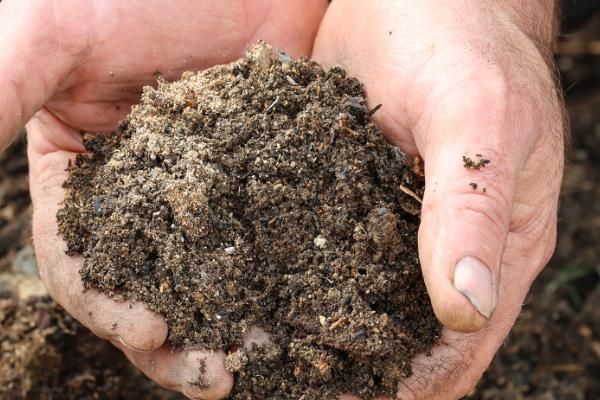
(460,79)
(79,65)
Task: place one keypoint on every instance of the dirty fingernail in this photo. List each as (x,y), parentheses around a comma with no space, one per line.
(474,280)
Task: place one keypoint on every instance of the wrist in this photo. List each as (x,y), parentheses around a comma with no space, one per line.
(538,19)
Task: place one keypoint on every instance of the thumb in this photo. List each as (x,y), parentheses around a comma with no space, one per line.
(471,169)
(40,42)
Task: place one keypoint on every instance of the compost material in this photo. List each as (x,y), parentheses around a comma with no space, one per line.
(260,193)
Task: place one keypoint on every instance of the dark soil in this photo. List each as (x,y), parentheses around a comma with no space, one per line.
(260,194)
(45,354)
(476,164)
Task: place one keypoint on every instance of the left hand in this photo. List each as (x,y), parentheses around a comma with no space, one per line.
(464,78)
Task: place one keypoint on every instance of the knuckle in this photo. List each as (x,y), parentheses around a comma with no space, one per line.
(536,227)
(491,208)
(72,27)
(46,185)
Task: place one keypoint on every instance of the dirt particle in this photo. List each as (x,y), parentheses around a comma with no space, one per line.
(230,250)
(358,334)
(473,185)
(320,242)
(201,381)
(236,361)
(322,320)
(469,163)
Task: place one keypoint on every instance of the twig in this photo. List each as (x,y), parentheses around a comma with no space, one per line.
(374,110)
(337,323)
(272,105)
(352,132)
(411,193)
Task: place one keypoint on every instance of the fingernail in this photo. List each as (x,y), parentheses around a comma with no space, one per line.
(474,279)
(119,339)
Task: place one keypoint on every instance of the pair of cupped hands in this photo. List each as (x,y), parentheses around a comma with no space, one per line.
(455,78)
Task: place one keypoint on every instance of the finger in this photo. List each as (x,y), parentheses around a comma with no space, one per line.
(294,26)
(468,202)
(34,58)
(196,374)
(128,323)
(256,336)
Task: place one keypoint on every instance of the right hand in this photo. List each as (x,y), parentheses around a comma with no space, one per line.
(79,65)
(462,78)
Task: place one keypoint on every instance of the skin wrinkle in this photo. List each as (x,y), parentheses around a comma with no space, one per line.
(530,224)
(435,374)
(55,25)
(473,86)
(492,177)
(20,112)
(83,93)
(70,140)
(76,46)
(432,112)
(482,214)
(78,52)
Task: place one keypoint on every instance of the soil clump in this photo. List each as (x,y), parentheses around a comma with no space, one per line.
(260,193)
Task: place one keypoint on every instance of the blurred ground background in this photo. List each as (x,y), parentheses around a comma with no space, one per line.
(552,353)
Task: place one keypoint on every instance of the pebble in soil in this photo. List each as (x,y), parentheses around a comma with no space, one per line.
(260,193)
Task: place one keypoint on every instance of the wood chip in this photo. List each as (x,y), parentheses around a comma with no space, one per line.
(411,193)
(338,323)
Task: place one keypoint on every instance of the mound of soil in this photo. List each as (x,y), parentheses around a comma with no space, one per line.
(260,193)
(45,354)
